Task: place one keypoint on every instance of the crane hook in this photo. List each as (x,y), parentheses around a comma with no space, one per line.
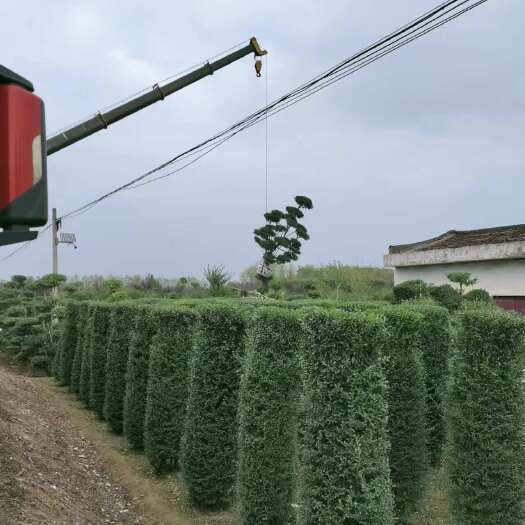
(258,66)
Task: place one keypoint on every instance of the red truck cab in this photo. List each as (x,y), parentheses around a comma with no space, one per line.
(23,180)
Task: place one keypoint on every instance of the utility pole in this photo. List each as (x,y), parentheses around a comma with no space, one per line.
(54,239)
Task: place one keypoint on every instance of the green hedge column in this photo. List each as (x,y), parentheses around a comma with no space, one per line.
(168,387)
(267,416)
(74,384)
(68,344)
(137,377)
(486,420)
(98,351)
(122,324)
(435,345)
(210,439)
(407,424)
(85,365)
(344,421)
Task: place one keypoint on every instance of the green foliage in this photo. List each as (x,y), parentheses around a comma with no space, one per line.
(122,323)
(40,363)
(217,278)
(334,281)
(464,279)
(266,418)
(137,377)
(410,290)
(85,364)
(486,419)
(112,285)
(407,424)
(446,296)
(282,235)
(74,384)
(68,344)
(344,421)
(98,355)
(478,295)
(18,281)
(435,339)
(168,387)
(49,281)
(210,443)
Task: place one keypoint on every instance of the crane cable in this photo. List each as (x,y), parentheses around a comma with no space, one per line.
(266,166)
(415,29)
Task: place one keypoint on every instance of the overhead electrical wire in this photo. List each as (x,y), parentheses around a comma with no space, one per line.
(424,24)
(24,245)
(429,21)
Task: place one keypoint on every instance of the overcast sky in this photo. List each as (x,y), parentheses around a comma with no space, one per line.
(425,140)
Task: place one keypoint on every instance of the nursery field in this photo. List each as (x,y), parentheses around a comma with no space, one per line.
(309,412)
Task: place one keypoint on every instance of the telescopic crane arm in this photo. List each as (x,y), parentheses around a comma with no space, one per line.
(24,146)
(104,119)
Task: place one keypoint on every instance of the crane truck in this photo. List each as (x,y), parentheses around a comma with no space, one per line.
(24,146)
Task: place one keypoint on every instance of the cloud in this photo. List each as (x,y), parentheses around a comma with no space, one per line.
(425,140)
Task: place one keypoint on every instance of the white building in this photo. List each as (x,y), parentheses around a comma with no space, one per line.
(495,256)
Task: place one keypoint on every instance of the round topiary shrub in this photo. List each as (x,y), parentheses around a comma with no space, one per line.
(267,412)
(210,436)
(122,324)
(167,390)
(446,296)
(478,295)
(486,420)
(409,290)
(344,437)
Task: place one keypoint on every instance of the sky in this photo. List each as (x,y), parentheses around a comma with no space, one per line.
(427,139)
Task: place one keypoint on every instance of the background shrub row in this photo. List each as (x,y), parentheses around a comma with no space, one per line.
(314,415)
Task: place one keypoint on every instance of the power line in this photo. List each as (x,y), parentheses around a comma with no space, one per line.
(421,26)
(424,24)
(24,245)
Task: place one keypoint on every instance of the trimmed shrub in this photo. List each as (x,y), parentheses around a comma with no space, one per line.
(210,437)
(74,384)
(435,338)
(68,344)
(446,296)
(98,353)
(85,365)
(40,364)
(137,377)
(478,295)
(266,418)
(343,425)
(486,419)
(410,290)
(122,323)
(409,457)
(168,387)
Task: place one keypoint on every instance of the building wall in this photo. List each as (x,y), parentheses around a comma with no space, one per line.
(504,277)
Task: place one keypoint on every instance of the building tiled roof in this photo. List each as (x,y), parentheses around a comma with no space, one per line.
(459,239)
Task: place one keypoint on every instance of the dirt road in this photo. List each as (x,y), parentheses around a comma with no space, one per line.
(59,465)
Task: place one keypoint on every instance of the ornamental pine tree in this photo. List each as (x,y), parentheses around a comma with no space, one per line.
(281,237)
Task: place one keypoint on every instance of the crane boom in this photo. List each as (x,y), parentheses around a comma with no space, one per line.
(102,120)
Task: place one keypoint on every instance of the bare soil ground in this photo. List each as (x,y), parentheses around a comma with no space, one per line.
(59,465)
